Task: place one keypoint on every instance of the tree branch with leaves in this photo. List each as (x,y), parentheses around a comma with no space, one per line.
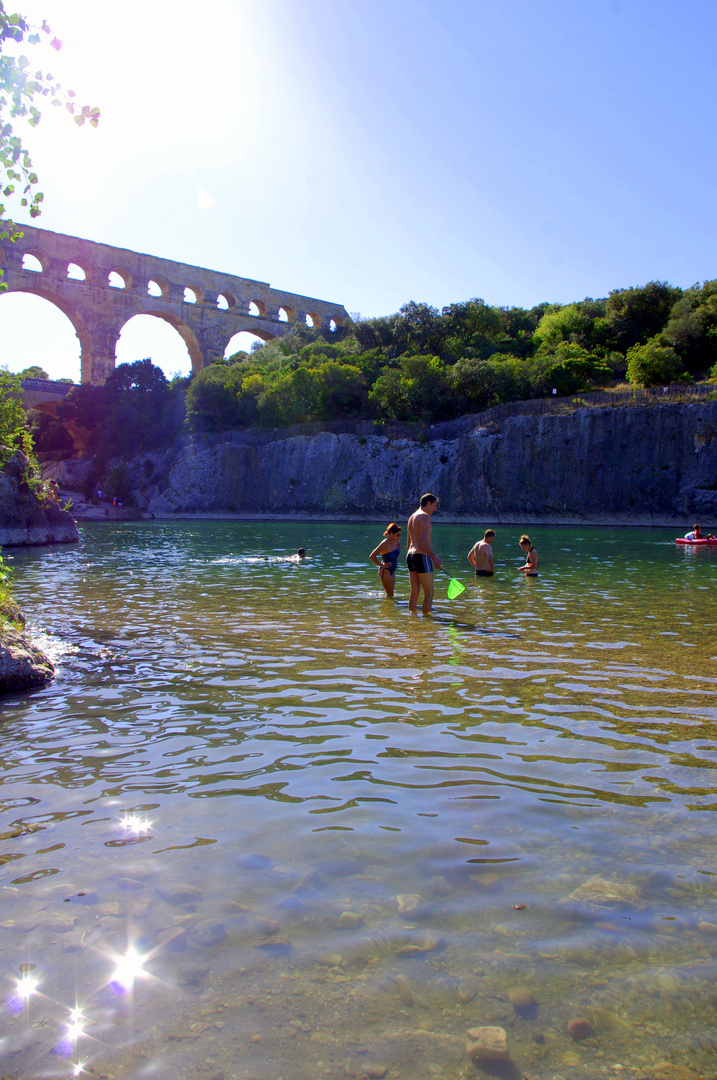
(22,90)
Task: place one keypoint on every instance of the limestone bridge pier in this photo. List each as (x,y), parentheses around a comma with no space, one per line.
(99,288)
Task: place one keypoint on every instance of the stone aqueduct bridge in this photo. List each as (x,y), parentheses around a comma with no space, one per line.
(205,307)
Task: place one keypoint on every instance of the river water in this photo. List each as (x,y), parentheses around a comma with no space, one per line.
(266,824)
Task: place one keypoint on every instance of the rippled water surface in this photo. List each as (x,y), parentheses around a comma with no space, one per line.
(334,837)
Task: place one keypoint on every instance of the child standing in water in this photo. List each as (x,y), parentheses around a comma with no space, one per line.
(530,567)
(388,549)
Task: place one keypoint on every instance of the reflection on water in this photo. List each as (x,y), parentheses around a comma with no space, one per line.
(264,823)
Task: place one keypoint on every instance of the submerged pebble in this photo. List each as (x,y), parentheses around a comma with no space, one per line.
(579,1028)
(176,893)
(208,932)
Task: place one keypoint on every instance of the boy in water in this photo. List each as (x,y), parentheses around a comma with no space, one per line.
(481,555)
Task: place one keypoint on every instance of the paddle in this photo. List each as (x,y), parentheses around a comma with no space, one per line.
(454,586)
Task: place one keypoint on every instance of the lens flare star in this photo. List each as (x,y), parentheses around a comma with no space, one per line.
(128,969)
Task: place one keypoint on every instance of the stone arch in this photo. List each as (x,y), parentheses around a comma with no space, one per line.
(78,323)
(80,265)
(289,313)
(162,286)
(260,308)
(184,331)
(196,292)
(229,301)
(43,260)
(265,335)
(313,319)
(123,275)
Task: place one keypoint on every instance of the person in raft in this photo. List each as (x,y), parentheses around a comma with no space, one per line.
(420,558)
(388,549)
(481,555)
(530,567)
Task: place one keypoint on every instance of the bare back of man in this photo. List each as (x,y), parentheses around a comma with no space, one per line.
(420,558)
(481,555)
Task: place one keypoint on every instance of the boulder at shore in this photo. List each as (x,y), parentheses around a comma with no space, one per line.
(22,665)
(25,519)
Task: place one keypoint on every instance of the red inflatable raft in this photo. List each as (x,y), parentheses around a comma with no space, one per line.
(704,542)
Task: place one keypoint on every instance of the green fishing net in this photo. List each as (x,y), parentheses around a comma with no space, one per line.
(455,588)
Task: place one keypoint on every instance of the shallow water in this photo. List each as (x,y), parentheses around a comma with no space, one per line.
(337,836)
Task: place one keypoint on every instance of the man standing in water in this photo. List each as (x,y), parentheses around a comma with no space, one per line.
(481,555)
(420,558)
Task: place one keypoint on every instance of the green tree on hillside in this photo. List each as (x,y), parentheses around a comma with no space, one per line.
(14,434)
(653,364)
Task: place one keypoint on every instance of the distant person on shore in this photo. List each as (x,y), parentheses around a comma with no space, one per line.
(530,567)
(420,558)
(480,555)
(388,549)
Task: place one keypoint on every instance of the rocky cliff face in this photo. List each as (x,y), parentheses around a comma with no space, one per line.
(23,518)
(641,465)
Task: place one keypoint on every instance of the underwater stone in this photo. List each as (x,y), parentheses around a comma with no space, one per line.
(349,920)
(487,1044)
(176,893)
(600,892)
(208,932)
(521,999)
(579,1028)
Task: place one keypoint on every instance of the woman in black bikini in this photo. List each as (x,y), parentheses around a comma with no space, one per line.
(530,569)
(388,549)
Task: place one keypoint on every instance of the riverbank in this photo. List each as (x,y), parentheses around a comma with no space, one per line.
(608,521)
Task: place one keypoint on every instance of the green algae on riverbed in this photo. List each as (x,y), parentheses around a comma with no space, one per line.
(341,837)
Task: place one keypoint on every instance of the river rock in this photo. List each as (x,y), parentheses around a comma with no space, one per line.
(579,1028)
(23,666)
(267,926)
(349,920)
(175,893)
(428,941)
(487,1044)
(208,932)
(521,999)
(602,893)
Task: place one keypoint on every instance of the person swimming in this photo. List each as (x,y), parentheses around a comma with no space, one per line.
(530,567)
(388,549)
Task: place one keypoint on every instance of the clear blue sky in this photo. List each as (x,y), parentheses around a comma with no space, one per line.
(372,153)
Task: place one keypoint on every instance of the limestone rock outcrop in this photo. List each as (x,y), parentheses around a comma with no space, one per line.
(24,519)
(639,465)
